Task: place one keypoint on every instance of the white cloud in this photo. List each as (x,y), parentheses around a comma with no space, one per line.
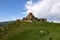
(23,13)
(44,8)
(56,21)
(9,19)
(2,20)
(13,18)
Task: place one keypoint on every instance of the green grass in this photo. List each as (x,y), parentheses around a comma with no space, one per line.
(31,31)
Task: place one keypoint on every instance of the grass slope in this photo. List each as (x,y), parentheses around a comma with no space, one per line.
(34,31)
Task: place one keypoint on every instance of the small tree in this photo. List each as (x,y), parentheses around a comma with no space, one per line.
(23,18)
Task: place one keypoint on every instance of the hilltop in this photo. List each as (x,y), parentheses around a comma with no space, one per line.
(30,31)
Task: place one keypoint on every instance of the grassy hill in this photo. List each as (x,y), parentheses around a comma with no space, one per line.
(32,31)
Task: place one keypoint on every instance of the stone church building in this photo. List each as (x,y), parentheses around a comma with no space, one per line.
(30,18)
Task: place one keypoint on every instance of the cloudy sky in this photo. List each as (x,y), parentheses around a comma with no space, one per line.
(17,9)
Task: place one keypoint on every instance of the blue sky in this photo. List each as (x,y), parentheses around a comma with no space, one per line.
(10,9)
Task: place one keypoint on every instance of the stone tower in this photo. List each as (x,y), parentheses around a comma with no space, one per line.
(30,16)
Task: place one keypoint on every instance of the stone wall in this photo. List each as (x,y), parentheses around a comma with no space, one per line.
(43,20)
